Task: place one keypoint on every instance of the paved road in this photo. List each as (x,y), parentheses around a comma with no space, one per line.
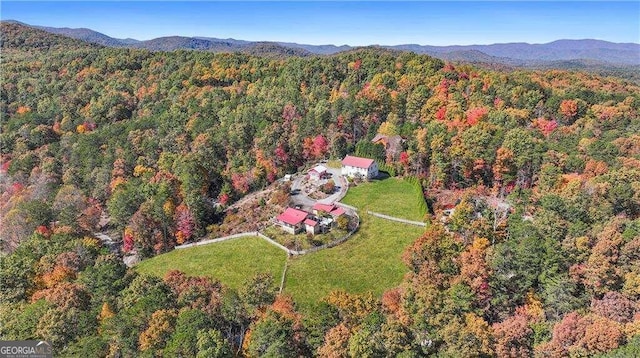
(301,197)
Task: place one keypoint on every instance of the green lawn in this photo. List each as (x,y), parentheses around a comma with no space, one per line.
(370,261)
(391,196)
(232,262)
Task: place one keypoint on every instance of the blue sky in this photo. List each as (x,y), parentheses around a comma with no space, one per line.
(352,23)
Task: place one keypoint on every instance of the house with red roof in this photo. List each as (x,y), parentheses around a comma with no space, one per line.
(331,209)
(292,220)
(362,167)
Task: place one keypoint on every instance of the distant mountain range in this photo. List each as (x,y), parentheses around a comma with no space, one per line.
(559,54)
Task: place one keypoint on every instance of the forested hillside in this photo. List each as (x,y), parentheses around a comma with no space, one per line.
(161,142)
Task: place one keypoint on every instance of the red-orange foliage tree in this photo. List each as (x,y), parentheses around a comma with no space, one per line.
(513,337)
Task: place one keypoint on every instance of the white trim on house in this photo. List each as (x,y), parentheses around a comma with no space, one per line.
(351,171)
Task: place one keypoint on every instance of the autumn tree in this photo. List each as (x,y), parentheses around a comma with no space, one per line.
(258,292)
(600,273)
(435,248)
(513,337)
(569,109)
(336,342)
(69,204)
(160,328)
(474,270)
(471,337)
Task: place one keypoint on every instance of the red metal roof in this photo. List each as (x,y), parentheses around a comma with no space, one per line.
(357,162)
(310,222)
(329,208)
(323,207)
(292,216)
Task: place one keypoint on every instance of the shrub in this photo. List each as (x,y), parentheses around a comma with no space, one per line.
(329,187)
(343,223)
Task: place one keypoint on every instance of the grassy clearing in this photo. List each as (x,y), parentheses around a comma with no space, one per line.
(370,261)
(232,262)
(391,196)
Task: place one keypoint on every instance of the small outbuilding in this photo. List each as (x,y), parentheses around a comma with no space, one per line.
(318,172)
(312,226)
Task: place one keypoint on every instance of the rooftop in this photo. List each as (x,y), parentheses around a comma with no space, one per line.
(329,208)
(357,162)
(337,211)
(310,222)
(319,169)
(292,216)
(323,207)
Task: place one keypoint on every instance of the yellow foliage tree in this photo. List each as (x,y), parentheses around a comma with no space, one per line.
(161,326)
(106,312)
(388,128)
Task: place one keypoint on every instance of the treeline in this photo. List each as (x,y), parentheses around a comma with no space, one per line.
(162,141)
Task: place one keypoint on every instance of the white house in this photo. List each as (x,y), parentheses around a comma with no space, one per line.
(356,166)
(318,172)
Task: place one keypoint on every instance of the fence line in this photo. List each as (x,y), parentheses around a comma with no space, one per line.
(392,218)
(331,244)
(353,208)
(220,239)
(273,242)
(284,274)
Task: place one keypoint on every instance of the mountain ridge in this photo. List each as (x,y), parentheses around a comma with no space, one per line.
(520,54)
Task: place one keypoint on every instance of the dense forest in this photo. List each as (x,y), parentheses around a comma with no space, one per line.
(161,142)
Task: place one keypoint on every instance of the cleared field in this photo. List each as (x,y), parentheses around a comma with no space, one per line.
(232,262)
(370,261)
(391,196)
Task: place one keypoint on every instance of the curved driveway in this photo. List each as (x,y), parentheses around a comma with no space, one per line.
(303,199)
